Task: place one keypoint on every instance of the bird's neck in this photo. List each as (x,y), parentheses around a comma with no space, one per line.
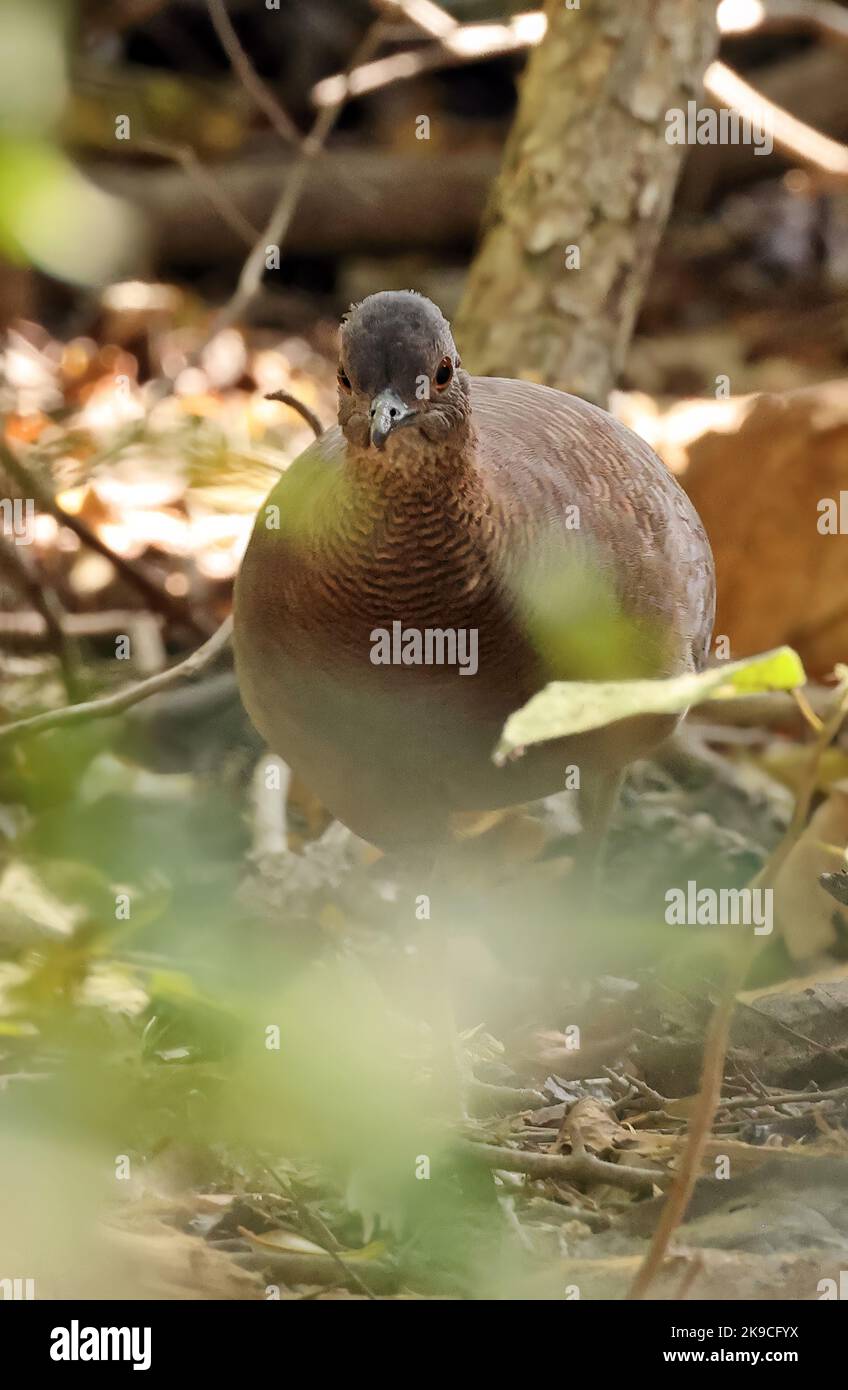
(412,469)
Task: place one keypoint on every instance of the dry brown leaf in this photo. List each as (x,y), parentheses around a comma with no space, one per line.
(590,1122)
(779,579)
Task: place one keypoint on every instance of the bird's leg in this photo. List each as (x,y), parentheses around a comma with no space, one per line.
(598,795)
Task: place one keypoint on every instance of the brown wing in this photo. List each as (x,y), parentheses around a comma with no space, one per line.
(544,451)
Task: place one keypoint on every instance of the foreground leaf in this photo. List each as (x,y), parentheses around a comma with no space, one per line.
(574,707)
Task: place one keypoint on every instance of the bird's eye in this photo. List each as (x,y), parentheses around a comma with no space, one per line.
(343,380)
(444,372)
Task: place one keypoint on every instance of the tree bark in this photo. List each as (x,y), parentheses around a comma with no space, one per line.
(586,166)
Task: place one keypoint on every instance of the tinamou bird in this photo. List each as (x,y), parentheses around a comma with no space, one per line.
(432,561)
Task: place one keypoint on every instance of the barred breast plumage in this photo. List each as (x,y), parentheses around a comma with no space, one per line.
(458,505)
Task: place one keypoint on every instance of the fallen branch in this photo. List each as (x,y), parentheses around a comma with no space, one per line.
(582,1167)
(425,202)
(782,1098)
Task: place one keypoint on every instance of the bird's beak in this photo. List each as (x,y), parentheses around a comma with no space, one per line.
(387,412)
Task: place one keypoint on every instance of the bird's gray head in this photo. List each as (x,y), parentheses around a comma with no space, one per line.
(399,371)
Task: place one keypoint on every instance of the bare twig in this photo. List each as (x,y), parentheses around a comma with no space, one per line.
(466,43)
(248,76)
(581,1167)
(784,1098)
(718,1036)
(321,1229)
(807,710)
(823,17)
(185,157)
(111,18)
(635,1090)
(308,415)
(771,1021)
(807,786)
(826,159)
(44,599)
(281,215)
(159,599)
(121,700)
(700,1125)
(430,18)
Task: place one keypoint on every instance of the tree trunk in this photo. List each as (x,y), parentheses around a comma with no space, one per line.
(584,192)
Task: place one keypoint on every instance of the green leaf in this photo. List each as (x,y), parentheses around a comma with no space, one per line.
(574,707)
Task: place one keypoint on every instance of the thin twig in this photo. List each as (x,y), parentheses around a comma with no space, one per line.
(248,76)
(121,700)
(311,1218)
(159,599)
(43,597)
(786,1098)
(430,18)
(718,1035)
(467,43)
(770,1021)
(308,415)
(700,1126)
(183,155)
(807,710)
(283,211)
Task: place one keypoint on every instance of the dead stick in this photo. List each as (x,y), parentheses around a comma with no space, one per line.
(283,211)
(195,170)
(784,1098)
(249,77)
(718,1035)
(45,600)
(582,1167)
